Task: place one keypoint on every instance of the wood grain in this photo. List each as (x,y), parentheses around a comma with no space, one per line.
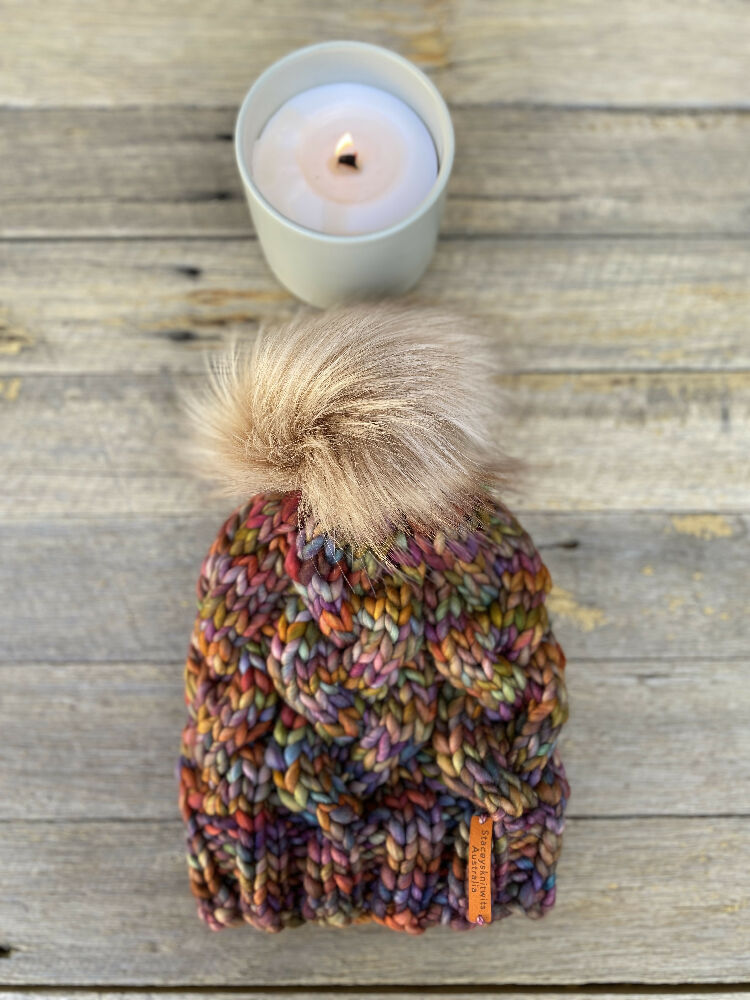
(639,901)
(101,740)
(130,52)
(578,52)
(519,171)
(629,586)
(554,305)
(115,444)
(601,993)
(597,222)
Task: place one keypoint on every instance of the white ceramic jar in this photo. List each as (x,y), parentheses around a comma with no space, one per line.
(324,269)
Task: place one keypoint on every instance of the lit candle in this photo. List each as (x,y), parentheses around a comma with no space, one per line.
(345,150)
(345,158)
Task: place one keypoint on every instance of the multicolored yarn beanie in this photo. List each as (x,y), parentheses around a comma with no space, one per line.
(374,693)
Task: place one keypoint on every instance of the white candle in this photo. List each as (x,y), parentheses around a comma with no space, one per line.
(322,267)
(389,163)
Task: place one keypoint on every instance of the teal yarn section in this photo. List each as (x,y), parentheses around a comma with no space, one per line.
(347,716)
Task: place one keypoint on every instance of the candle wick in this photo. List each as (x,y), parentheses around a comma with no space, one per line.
(349,160)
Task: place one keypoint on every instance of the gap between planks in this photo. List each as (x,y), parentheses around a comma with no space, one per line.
(596,991)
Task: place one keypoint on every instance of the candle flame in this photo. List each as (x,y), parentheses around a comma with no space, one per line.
(344,142)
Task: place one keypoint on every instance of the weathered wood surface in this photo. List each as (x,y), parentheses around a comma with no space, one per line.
(555,305)
(598,993)
(628,586)
(601,993)
(642,900)
(597,219)
(101,445)
(131,52)
(171,172)
(646,738)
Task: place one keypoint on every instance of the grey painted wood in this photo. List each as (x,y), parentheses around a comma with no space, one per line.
(676,993)
(518,170)
(640,901)
(564,134)
(642,586)
(129,52)
(117,444)
(645,737)
(572,304)
(100,590)
(575,52)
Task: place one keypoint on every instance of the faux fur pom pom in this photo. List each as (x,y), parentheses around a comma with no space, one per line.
(378,414)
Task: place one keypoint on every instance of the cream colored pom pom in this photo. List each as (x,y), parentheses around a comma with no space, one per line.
(378,414)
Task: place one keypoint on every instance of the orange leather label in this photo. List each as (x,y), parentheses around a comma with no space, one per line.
(479,870)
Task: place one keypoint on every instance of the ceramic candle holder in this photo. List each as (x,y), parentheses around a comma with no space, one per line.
(320,268)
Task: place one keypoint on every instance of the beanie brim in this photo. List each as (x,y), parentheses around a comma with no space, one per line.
(276,870)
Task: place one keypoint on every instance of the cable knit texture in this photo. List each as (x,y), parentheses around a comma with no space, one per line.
(347,716)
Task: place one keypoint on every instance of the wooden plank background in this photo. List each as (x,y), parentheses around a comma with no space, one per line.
(427,994)
(522,170)
(597,222)
(575,52)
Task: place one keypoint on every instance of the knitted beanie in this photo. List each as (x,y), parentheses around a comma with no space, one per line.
(374,693)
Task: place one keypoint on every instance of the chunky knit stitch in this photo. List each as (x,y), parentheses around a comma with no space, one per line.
(347,716)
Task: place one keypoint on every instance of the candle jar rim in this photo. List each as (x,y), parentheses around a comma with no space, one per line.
(447,137)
